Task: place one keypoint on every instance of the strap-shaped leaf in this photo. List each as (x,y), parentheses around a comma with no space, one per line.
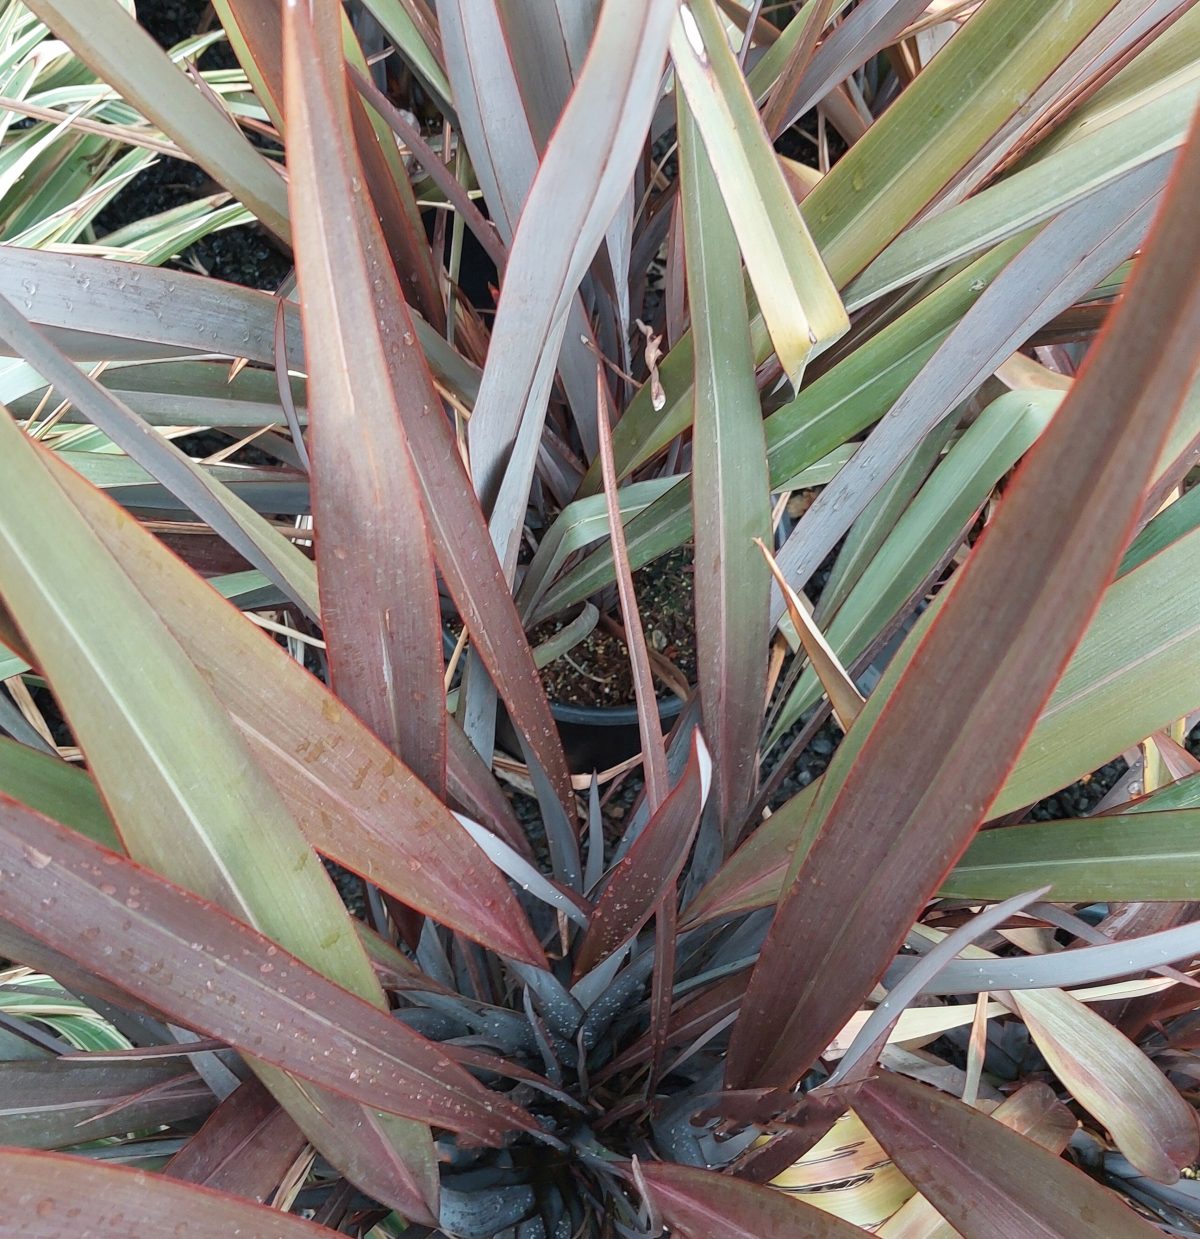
(277,882)
(828,412)
(1093,148)
(1114,1081)
(697,1204)
(650,867)
(984,1178)
(912,780)
(863,32)
(1105,1072)
(52,1104)
(1135,856)
(47,1195)
(1082,966)
(99,309)
(107,38)
(1033,1111)
(505,118)
(1133,673)
(229,516)
(379,602)
(1057,267)
(562,225)
(927,531)
(960,105)
(921,143)
(55,788)
(245,1147)
(254,33)
(729,485)
(346,790)
(416,45)
(799,302)
(208,971)
(142,748)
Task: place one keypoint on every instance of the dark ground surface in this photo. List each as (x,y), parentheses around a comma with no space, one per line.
(596,672)
(172,21)
(244,255)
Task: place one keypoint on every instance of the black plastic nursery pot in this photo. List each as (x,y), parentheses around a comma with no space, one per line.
(594,737)
(599,737)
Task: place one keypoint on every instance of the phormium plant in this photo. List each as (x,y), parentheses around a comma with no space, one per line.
(894,302)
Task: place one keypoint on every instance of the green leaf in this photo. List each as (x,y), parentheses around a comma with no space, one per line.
(412,43)
(98,309)
(729,486)
(799,302)
(188,393)
(142,748)
(1134,672)
(345,789)
(1062,173)
(108,39)
(247,532)
(1174,521)
(1182,794)
(166,235)
(578,525)
(911,783)
(825,414)
(1151,855)
(55,789)
(1057,266)
(43,1000)
(981,87)
(985,80)
(140,312)
(143,764)
(927,531)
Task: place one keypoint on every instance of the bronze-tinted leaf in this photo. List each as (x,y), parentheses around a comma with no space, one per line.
(698,1204)
(651,865)
(912,781)
(345,789)
(379,600)
(204,969)
(245,1148)
(984,1178)
(49,1195)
